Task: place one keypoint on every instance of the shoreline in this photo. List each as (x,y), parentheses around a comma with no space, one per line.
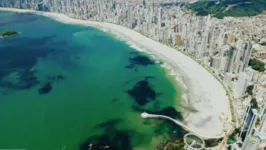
(206,94)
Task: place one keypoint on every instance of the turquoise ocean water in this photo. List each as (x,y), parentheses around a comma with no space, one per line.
(66,87)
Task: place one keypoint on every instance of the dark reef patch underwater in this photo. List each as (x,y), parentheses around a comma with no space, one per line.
(46,88)
(142,92)
(111,141)
(18,55)
(66,87)
(139,60)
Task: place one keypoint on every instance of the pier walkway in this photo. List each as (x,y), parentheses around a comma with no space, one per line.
(185,127)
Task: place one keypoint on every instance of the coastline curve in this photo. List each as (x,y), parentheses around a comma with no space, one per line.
(208,95)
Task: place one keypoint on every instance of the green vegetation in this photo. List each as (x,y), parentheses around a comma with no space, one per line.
(232,137)
(254,103)
(263,44)
(257,122)
(249,89)
(8,33)
(212,142)
(240,145)
(230,141)
(179,144)
(257,65)
(235,8)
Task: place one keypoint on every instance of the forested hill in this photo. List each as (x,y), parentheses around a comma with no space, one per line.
(222,8)
(217,8)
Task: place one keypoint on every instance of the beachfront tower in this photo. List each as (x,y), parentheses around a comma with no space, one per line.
(261,130)
(245,123)
(240,86)
(160,16)
(252,141)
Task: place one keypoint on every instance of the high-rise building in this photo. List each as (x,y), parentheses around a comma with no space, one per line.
(240,85)
(219,63)
(227,78)
(251,143)
(252,140)
(178,40)
(215,62)
(231,39)
(262,129)
(247,54)
(160,16)
(250,73)
(223,64)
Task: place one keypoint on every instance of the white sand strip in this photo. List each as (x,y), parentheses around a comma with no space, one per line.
(206,93)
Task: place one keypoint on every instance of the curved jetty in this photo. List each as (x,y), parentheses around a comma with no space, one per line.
(185,127)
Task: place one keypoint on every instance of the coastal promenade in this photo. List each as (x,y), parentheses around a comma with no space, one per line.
(146,115)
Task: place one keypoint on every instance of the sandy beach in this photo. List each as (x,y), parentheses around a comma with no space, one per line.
(206,95)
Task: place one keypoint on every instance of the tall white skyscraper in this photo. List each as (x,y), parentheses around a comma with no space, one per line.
(219,63)
(240,86)
(247,54)
(262,129)
(250,73)
(252,143)
(160,15)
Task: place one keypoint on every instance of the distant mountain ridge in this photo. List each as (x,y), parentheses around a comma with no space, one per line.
(222,8)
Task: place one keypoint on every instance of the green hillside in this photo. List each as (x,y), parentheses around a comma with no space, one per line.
(222,8)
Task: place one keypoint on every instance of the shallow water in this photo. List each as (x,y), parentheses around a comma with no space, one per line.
(67,86)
